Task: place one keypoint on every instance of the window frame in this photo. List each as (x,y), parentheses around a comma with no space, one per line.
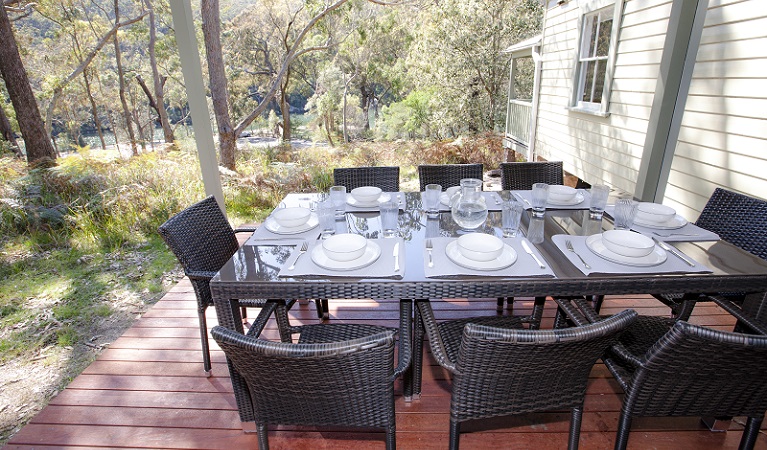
(589,9)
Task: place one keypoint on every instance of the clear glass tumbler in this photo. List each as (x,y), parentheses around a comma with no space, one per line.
(511,214)
(430,199)
(338,197)
(599,194)
(540,196)
(625,212)
(389,215)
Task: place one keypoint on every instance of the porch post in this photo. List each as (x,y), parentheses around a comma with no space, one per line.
(191,68)
(677,63)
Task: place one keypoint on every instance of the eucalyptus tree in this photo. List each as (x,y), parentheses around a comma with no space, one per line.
(36,142)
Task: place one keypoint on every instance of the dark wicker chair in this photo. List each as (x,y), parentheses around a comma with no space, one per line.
(502,372)
(691,371)
(522,175)
(359,359)
(447,175)
(740,220)
(386,178)
(202,240)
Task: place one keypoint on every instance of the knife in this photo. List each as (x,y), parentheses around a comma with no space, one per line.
(673,251)
(519,196)
(529,251)
(396,257)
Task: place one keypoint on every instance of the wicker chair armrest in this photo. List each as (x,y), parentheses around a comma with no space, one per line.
(203,275)
(572,310)
(404,357)
(246,229)
(736,311)
(435,339)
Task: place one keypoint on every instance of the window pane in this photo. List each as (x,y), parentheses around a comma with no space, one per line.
(589,30)
(605,29)
(599,83)
(587,77)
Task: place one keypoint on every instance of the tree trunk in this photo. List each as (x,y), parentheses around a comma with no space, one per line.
(285,109)
(159,95)
(38,144)
(121,79)
(6,132)
(94,111)
(211,31)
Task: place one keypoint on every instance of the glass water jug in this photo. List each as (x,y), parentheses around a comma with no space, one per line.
(469,209)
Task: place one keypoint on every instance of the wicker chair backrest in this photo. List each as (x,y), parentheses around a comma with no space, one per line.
(738,219)
(447,175)
(346,383)
(697,371)
(508,371)
(522,175)
(386,178)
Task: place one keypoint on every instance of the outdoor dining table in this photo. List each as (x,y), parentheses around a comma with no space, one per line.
(254,272)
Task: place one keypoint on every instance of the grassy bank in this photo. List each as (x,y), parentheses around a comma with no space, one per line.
(80,257)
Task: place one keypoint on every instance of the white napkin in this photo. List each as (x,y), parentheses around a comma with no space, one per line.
(399,197)
(493,201)
(672,264)
(524,266)
(688,233)
(263,234)
(526,197)
(383,267)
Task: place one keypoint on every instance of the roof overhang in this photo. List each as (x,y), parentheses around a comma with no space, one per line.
(524,48)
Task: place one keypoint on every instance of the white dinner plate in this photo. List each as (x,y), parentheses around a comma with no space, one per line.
(573,201)
(372,252)
(357,204)
(275,227)
(672,224)
(444,199)
(595,244)
(507,258)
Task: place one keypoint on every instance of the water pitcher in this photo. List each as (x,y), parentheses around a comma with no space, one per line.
(469,209)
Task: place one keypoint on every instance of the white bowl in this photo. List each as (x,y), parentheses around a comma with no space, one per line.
(627,243)
(366,194)
(654,212)
(480,247)
(291,217)
(559,193)
(344,247)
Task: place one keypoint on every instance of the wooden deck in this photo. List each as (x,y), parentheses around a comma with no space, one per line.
(148,391)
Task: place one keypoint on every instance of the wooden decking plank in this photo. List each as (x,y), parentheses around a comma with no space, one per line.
(152,383)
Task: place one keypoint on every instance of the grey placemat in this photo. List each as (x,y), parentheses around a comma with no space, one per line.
(263,234)
(526,197)
(493,201)
(399,196)
(524,266)
(383,267)
(672,264)
(688,233)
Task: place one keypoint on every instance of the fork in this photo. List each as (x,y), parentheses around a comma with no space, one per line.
(429,248)
(301,251)
(570,247)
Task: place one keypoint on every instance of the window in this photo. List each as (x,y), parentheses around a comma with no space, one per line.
(596,54)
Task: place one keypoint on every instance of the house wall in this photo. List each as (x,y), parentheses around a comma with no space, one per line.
(601,149)
(723,137)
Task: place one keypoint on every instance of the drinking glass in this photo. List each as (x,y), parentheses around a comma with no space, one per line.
(511,213)
(599,193)
(625,212)
(430,199)
(326,215)
(540,196)
(338,197)
(389,214)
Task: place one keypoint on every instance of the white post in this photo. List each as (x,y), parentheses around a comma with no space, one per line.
(191,68)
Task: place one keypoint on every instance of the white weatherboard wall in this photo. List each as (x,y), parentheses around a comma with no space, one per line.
(723,137)
(601,149)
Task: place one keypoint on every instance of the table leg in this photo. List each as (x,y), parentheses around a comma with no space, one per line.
(405,356)
(537,316)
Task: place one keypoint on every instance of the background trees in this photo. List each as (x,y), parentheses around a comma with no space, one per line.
(361,69)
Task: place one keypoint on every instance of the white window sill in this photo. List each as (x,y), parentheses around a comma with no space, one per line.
(593,112)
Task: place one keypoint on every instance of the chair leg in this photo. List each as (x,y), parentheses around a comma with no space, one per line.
(455,433)
(576,416)
(244,313)
(750,433)
(204,339)
(391,437)
(318,306)
(325,309)
(263,436)
(624,427)
(499,307)
(596,301)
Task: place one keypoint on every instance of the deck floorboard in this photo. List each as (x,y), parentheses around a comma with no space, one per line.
(147,390)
